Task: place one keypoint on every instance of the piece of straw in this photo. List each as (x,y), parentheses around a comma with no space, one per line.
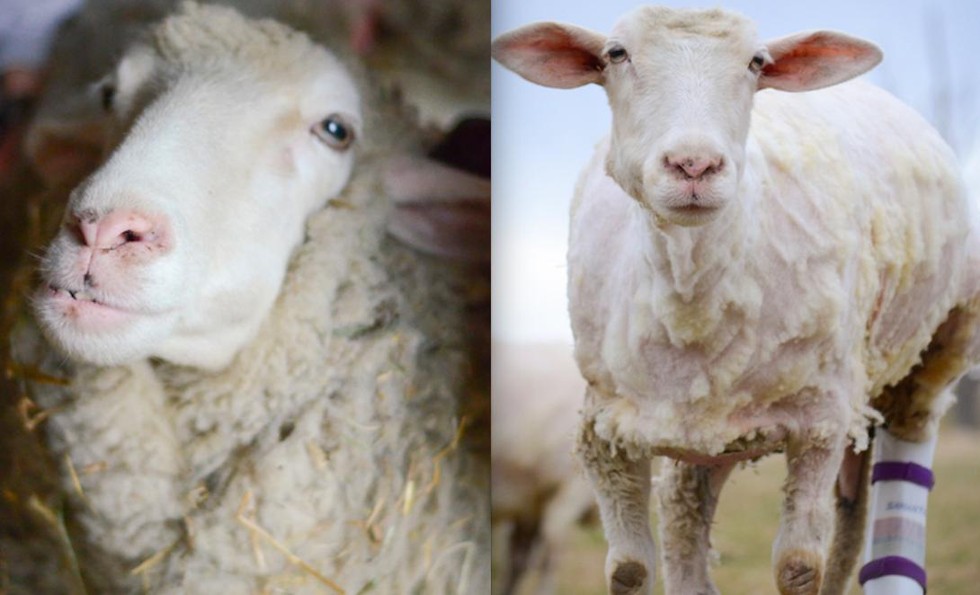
(293,558)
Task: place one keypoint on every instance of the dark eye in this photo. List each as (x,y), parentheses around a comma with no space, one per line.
(336,133)
(617,54)
(758,61)
(107,95)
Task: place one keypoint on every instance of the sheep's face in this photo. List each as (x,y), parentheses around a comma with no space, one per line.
(177,246)
(680,84)
(681,95)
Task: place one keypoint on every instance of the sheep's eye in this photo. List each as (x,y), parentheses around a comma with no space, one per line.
(617,54)
(107,95)
(758,61)
(334,132)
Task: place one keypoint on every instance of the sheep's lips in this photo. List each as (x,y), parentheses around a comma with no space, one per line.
(83,312)
(694,209)
(688,203)
(689,215)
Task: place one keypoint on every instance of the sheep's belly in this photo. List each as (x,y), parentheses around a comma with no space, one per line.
(735,452)
(717,429)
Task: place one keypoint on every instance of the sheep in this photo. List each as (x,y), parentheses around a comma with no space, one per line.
(539,490)
(245,416)
(752,271)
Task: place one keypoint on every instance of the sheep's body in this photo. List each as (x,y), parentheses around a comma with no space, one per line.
(341,468)
(539,490)
(842,259)
(335,433)
(750,280)
(812,301)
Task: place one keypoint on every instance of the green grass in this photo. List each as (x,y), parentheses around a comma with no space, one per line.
(748,516)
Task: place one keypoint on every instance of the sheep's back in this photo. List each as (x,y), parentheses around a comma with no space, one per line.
(854,176)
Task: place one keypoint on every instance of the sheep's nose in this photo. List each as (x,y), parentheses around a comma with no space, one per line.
(118,228)
(693,166)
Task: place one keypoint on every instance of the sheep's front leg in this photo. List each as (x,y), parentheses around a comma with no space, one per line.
(688,498)
(807,521)
(622,489)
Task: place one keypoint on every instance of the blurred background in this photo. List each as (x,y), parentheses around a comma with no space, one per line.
(541,139)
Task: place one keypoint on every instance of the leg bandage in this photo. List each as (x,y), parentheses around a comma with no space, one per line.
(895,539)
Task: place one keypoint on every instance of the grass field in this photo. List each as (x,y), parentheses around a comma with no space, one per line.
(749,513)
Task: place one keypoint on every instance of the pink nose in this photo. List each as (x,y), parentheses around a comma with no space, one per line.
(118,228)
(693,166)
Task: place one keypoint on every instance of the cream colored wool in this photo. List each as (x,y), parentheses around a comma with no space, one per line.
(834,277)
(336,421)
(335,434)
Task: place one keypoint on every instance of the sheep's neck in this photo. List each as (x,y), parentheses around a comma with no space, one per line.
(698,273)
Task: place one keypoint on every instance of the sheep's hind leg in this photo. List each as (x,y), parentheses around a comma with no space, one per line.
(807,520)
(688,496)
(895,553)
(622,489)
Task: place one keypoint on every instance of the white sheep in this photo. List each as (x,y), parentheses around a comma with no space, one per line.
(539,490)
(262,396)
(751,272)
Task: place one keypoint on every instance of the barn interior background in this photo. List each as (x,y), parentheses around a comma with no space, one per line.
(541,139)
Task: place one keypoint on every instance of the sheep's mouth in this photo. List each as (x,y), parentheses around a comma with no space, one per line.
(81,298)
(693,213)
(694,208)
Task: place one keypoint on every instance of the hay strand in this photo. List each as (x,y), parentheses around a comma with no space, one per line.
(437,459)
(293,558)
(150,563)
(75,481)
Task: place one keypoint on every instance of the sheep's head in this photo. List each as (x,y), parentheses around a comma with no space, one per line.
(230,133)
(681,85)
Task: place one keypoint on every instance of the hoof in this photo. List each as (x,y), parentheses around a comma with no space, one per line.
(629,578)
(799,572)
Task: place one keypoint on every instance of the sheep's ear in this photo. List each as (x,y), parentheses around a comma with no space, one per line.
(439,210)
(442,202)
(807,61)
(553,55)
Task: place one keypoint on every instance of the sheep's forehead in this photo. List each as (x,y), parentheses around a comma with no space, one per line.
(653,27)
(203,36)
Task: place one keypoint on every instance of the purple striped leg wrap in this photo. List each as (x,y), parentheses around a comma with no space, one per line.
(902,471)
(898,565)
(893,566)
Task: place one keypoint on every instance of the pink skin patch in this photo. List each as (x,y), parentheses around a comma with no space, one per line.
(726,458)
(99,268)
(772,440)
(121,228)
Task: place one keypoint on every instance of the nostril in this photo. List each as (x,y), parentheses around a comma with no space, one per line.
(131,236)
(692,167)
(122,227)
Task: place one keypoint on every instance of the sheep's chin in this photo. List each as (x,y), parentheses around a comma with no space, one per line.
(688,215)
(94,333)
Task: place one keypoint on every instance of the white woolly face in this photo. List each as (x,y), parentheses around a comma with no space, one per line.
(177,246)
(681,104)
